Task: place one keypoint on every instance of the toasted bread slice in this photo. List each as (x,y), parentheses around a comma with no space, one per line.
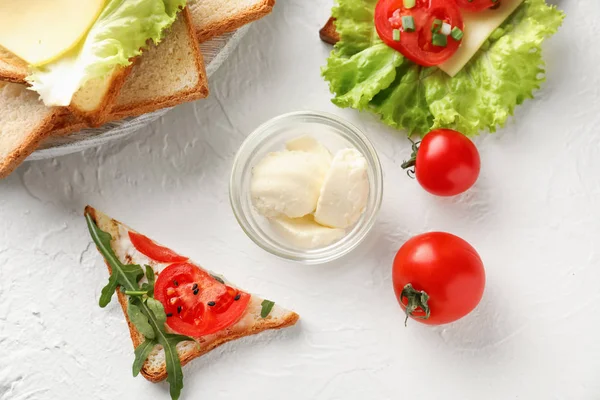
(216,17)
(154,368)
(167,74)
(12,68)
(328,33)
(24,122)
(92,102)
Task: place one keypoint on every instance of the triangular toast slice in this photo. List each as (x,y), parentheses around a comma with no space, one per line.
(24,123)
(251,322)
(216,17)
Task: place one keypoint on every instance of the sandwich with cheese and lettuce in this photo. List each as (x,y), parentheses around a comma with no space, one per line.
(426,64)
(80,52)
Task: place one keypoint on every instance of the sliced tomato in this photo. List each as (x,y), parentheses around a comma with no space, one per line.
(418,46)
(476,5)
(195,302)
(147,247)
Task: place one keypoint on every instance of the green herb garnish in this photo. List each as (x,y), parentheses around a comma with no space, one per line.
(437,24)
(439,40)
(456,33)
(267,306)
(396,35)
(409,3)
(145,312)
(408,23)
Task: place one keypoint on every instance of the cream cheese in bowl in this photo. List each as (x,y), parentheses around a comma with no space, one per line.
(306,186)
(310,197)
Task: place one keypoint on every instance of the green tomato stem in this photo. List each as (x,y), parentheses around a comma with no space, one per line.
(415,300)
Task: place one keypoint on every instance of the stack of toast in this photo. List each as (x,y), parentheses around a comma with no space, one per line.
(166,74)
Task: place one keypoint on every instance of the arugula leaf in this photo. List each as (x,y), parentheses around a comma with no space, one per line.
(108,290)
(151,280)
(267,306)
(169,344)
(174,372)
(141,354)
(158,310)
(505,72)
(128,277)
(138,318)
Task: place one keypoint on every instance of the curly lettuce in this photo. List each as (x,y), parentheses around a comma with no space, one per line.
(120,33)
(365,74)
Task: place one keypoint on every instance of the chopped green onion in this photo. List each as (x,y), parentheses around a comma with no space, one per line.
(408,23)
(446,29)
(409,3)
(396,35)
(456,33)
(267,306)
(437,23)
(439,40)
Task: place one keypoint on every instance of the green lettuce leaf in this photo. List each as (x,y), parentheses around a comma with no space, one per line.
(120,33)
(504,73)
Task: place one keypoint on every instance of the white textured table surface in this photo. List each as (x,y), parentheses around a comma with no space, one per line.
(533,216)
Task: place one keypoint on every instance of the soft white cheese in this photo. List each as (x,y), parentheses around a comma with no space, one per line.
(305,232)
(478,27)
(345,192)
(310,145)
(288,183)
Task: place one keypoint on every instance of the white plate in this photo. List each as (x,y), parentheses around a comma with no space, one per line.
(215,51)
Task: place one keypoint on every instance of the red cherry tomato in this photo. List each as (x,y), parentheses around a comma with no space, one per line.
(418,45)
(446,162)
(195,302)
(438,278)
(476,5)
(152,250)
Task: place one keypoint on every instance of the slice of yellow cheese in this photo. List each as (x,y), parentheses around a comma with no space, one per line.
(40,31)
(478,27)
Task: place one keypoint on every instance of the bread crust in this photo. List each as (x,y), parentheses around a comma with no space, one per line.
(328,33)
(66,124)
(137,338)
(12,69)
(8,76)
(252,14)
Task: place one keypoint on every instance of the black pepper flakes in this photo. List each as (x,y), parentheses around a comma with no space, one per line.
(179,310)
(211,303)
(196,292)
(169,314)
(236,298)
(195,286)
(175,283)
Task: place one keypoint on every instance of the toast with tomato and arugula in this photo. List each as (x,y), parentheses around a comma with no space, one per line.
(176,310)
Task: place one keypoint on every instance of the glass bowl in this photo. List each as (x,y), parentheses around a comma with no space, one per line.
(335,134)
